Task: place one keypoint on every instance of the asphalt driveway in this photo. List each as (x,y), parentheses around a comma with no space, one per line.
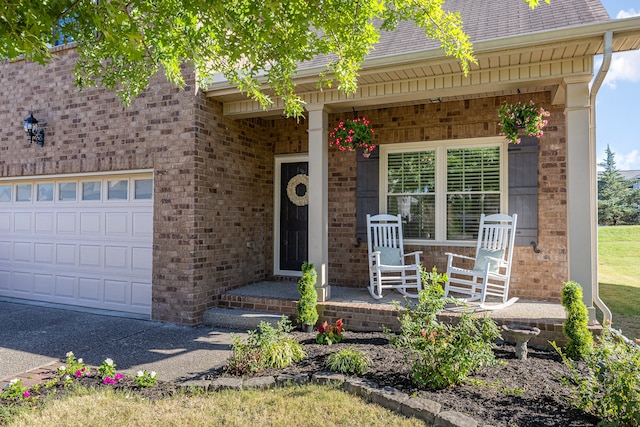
(34,335)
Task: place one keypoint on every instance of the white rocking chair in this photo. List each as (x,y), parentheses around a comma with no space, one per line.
(388,265)
(491,271)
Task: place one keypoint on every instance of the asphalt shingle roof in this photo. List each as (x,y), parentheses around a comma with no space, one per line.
(491,19)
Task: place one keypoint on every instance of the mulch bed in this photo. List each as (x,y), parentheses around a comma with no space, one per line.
(514,393)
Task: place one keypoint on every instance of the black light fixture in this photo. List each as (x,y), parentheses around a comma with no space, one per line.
(31,128)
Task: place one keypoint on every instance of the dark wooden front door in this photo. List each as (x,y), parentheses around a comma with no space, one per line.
(294,214)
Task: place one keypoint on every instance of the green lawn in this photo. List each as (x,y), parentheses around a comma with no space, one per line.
(619,275)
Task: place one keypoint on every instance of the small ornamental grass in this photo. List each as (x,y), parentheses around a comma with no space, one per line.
(266,347)
(348,361)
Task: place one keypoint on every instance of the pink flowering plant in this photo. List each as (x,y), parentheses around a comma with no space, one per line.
(330,334)
(352,134)
(74,368)
(15,390)
(526,117)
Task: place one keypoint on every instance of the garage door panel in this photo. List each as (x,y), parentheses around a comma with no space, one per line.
(44,222)
(140,294)
(89,289)
(22,282)
(43,284)
(142,224)
(65,286)
(66,254)
(115,291)
(43,253)
(117,223)
(95,253)
(22,251)
(67,223)
(5,251)
(22,222)
(90,255)
(115,257)
(5,280)
(141,259)
(90,223)
(5,222)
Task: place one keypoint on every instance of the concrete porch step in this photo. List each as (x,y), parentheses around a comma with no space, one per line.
(237,318)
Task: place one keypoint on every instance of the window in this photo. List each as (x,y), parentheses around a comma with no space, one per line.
(143,189)
(91,190)
(117,190)
(45,192)
(5,194)
(440,190)
(23,193)
(67,191)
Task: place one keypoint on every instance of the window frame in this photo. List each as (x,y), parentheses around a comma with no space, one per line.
(440,147)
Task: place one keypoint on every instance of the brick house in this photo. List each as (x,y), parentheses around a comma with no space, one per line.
(159,208)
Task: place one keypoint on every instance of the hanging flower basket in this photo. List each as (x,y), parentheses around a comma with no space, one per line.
(352,134)
(522,118)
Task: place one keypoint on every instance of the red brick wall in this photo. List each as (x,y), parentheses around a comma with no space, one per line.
(213,176)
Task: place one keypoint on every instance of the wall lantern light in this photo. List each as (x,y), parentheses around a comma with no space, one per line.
(32,130)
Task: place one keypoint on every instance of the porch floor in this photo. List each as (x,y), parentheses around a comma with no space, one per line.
(362,313)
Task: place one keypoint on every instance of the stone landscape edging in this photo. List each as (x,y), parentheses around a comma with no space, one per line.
(387,397)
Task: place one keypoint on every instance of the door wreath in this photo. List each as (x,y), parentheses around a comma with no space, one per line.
(300,179)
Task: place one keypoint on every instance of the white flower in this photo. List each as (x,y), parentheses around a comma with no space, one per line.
(80,360)
(139,374)
(13,381)
(153,374)
(62,368)
(108,361)
(70,354)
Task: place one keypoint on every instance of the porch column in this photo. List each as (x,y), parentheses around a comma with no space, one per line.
(582,214)
(318,198)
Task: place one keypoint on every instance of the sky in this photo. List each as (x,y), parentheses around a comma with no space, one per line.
(617,101)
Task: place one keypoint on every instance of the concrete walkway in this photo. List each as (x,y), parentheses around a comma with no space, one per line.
(34,335)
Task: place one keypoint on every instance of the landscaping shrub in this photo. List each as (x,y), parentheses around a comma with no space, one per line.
(607,384)
(306,308)
(267,347)
(575,328)
(442,355)
(348,361)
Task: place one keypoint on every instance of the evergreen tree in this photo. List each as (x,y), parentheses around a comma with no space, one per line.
(618,203)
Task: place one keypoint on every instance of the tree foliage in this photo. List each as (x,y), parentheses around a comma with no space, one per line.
(123,43)
(618,202)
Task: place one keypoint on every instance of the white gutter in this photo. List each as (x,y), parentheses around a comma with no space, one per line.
(597,83)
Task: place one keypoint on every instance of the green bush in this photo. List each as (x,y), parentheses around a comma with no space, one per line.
(575,328)
(607,384)
(306,308)
(348,361)
(442,355)
(265,348)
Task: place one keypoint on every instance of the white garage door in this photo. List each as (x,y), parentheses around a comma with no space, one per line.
(84,240)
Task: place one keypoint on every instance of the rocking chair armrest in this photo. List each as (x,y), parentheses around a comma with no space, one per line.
(451,255)
(415,253)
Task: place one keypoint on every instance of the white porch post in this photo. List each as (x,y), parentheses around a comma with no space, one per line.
(581,193)
(318,197)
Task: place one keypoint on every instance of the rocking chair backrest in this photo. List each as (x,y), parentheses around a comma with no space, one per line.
(497,232)
(384,231)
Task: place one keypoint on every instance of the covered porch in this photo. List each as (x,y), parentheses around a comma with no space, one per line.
(360,312)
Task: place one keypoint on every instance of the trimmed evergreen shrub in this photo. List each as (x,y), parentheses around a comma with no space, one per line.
(306,308)
(575,328)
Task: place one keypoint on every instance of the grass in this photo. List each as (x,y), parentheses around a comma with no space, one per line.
(309,405)
(619,275)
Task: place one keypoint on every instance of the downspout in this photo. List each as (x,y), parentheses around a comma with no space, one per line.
(595,87)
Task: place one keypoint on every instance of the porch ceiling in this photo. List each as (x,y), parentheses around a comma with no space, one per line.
(526,63)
